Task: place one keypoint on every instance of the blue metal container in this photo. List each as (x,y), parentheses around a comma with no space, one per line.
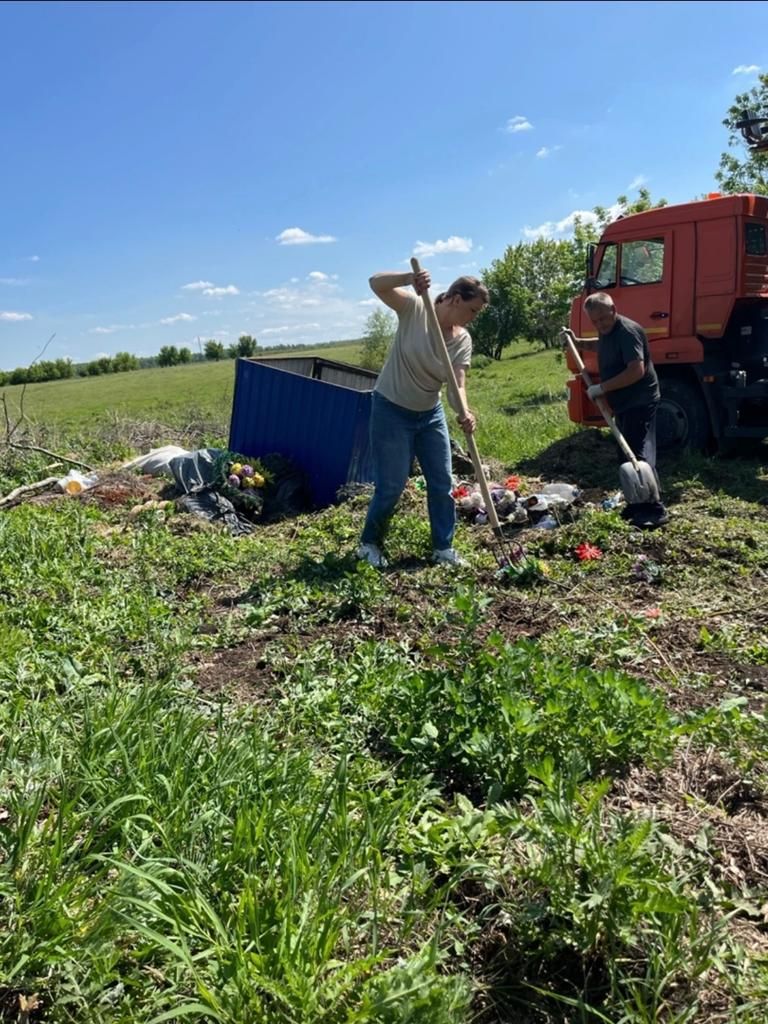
(314,411)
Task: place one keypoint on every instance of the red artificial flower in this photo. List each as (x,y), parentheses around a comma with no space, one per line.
(460,492)
(512,483)
(588,552)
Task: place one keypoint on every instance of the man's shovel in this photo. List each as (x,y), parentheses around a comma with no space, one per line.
(636,478)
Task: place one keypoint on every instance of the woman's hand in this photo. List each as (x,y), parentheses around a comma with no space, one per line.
(468,425)
(421,282)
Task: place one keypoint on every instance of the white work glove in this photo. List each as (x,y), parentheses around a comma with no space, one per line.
(595,391)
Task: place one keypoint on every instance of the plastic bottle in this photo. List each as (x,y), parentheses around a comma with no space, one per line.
(562,490)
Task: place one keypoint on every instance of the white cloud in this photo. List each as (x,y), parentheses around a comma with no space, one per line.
(297,236)
(14,281)
(546,151)
(290,329)
(177,318)
(518,123)
(637,182)
(197,286)
(452,244)
(11,317)
(746,69)
(33,259)
(114,327)
(369,302)
(559,228)
(218,292)
(317,275)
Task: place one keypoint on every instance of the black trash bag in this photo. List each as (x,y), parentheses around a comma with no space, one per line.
(288,493)
(195,470)
(195,475)
(211,505)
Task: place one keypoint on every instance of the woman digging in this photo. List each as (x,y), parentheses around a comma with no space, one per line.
(407,415)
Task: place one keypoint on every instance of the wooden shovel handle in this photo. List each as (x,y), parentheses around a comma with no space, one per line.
(438,341)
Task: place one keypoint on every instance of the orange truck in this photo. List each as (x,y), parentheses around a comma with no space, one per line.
(695,277)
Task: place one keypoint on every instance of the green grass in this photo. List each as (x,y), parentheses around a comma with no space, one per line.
(158,393)
(251,781)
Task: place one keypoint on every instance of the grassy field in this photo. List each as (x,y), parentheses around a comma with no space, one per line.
(250,781)
(161,392)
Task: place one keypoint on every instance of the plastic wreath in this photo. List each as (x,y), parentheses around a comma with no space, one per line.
(242,480)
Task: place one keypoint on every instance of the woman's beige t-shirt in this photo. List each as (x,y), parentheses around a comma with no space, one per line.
(414,373)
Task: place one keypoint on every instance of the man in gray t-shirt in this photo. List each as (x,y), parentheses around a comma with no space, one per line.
(629,383)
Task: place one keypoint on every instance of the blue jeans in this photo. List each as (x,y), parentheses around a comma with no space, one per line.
(397,434)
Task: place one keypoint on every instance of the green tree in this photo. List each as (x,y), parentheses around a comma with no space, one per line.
(185,355)
(380,328)
(530,288)
(168,356)
(214,350)
(747,172)
(64,369)
(245,348)
(122,362)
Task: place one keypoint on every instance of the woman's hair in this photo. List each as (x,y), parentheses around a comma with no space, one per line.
(467,288)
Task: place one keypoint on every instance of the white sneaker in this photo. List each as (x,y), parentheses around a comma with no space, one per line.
(371,554)
(448,556)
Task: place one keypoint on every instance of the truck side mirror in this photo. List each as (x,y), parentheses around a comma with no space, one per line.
(591,248)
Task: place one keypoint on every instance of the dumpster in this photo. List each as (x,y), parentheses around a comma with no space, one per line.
(313,410)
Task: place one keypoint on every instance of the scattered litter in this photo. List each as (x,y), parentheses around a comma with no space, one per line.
(75,482)
(542,509)
(614,501)
(567,492)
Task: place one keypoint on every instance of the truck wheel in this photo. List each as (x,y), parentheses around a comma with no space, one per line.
(683,419)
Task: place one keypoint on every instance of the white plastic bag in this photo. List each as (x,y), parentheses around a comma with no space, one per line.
(75,482)
(157,461)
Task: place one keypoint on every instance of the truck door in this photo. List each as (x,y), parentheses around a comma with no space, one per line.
(644,290)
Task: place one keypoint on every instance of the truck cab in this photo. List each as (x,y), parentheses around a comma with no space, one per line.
(695,277)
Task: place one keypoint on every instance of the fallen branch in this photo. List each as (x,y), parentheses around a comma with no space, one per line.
(21,492)
(54,455)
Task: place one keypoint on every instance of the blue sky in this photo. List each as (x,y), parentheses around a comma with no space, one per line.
(172,171)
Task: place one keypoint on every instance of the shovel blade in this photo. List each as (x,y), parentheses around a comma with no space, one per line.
(638,485)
